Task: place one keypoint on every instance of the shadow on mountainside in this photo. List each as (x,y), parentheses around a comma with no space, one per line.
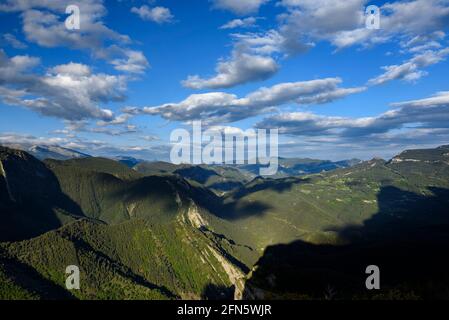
(217,292)
(29,279)
(235,206)
(198,174)
(150,190)
(226,186)
(407,239)
(277,185)
(31,199)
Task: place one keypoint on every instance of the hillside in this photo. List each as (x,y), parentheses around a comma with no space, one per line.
(393,214)
(217,178)
(166,233)
(145,235)
(225,178)
(133,260)
(289,167)
(31,199)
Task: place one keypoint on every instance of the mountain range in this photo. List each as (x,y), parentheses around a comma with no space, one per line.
(154,230)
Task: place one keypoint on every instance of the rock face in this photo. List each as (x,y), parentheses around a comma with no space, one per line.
(5,193)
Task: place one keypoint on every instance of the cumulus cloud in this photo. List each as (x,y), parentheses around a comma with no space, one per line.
(320,20)
(423,42)
(423,114)
(240,23)
(134,62)
(20,141)
(238,6)
(382,145)
(239,69)
(157,14)
(400,19)
(439,99)
(218,107)
(410,70)
(253,58)
(70,91)
(307,123)
(342,23)
(117,127)
(118,120)
(271,42)
(43,23)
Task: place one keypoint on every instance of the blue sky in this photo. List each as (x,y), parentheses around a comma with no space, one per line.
(136,70)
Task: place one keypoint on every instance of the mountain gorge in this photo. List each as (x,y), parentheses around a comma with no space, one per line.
(160,231)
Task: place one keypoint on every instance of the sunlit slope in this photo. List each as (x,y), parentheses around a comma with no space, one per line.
(46,258)
(144,237)
(110,191)
(313,208)
(163,236)
(400,224)
(217,178)
(136,259)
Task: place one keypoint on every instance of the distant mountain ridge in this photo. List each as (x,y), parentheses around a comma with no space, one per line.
(55,152)
(224,178)
(300,166)
(129,161)
(43,152)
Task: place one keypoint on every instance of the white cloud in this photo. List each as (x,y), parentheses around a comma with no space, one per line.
(70,91)
(11,40)
(240,69)
(423,114)
(43,23)
(271,42)
(315,20)
(410,70)
(134,62)
(439,99)
(240,23)
(342,23)
(157,14)
(238,6)
(150,138)
(218,107)
(92,147)
(22,140)
(424,42)
(118,120)
(253,58)
(71,69)
(120,123)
